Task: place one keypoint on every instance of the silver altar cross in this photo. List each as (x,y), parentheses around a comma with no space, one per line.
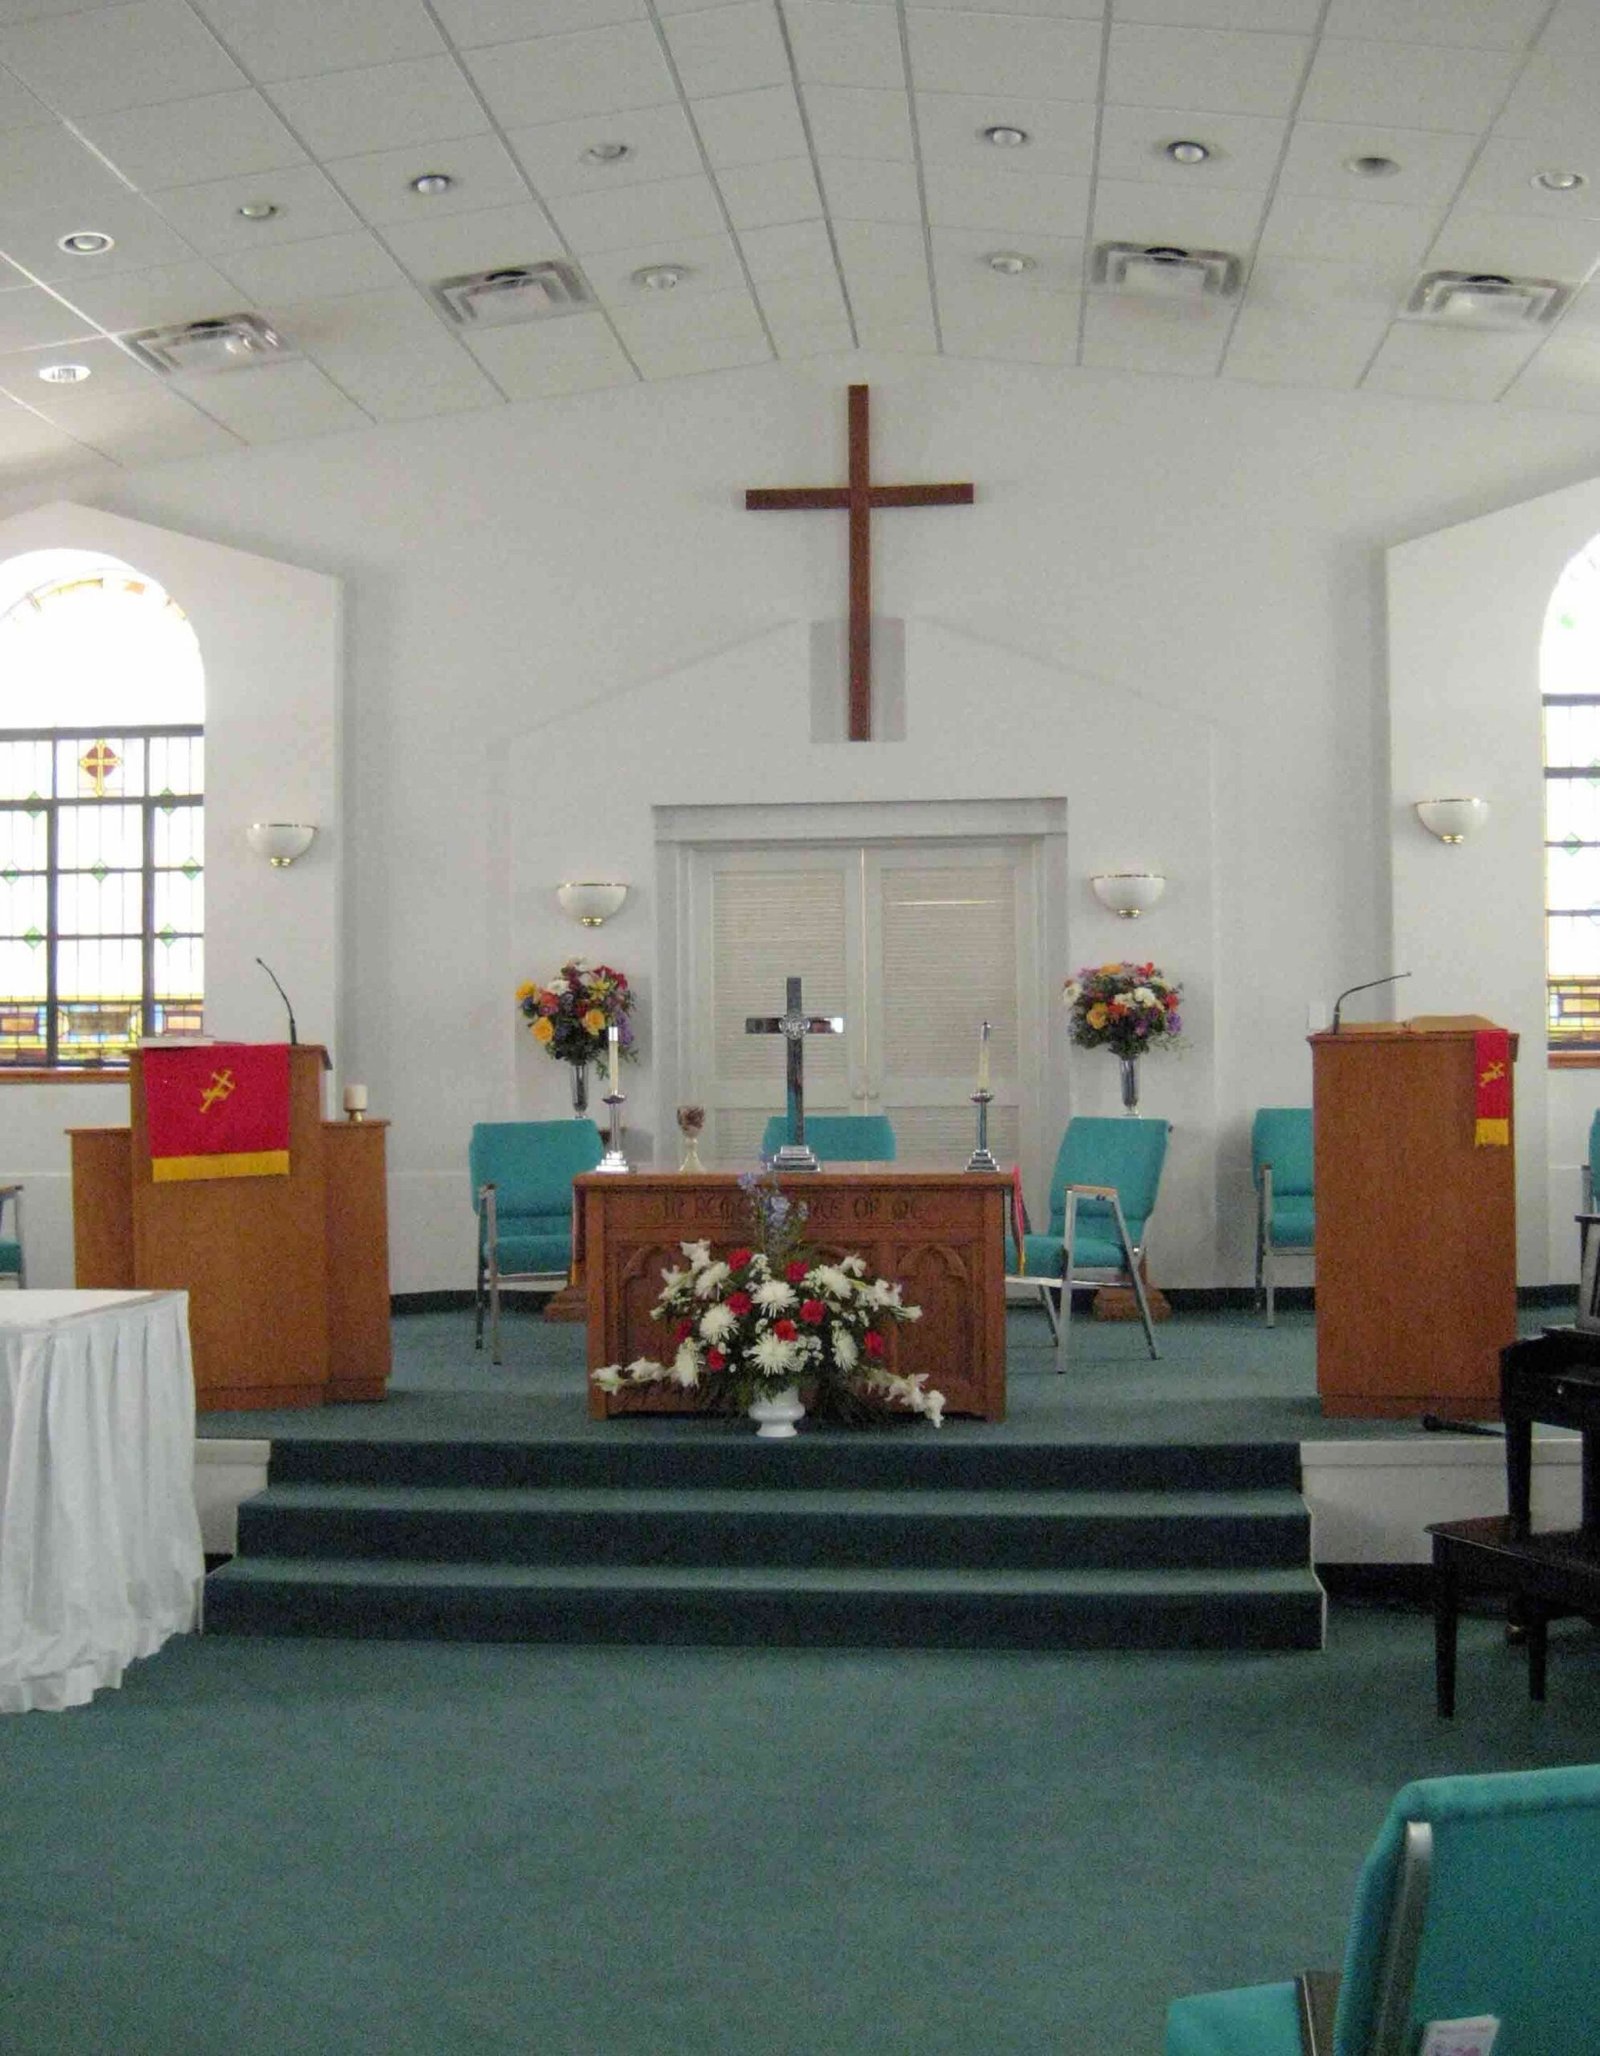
(794,1024)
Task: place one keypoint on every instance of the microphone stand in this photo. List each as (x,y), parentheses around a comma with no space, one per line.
(1339,1002)
(289,1010)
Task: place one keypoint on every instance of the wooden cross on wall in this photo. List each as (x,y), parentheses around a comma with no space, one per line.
(857,499)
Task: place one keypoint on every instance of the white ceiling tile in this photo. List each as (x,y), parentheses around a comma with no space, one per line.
(1582,310)
(390,354)
(19,109)
(959,255)
(558,78)
(31,318)
(661,318)
(863,190)
(1042,331)
(351,113)
(712,262)
(859,121)
(1517,244)
(843,45)
(879,299)
(459,243)
(30,447)
(1565,374)
(792,249)
(1222,218)
(272,403)
(540,359)
(208,215)
(690,359)
(667,7)
(759,127)
(111,370)
(1407,85)
(659,140)
(1226,71)
(1484,24)
(950,129)
(183,142)
(152,428)
(1186,338)
(1288,17)
(963,196)
(1075,10)
(1341,293)
(979,53)
(759,195)
(1554,97)
(1245,148)
(911,336)
(791,303)
(1436,362)
(616,221)
(119,57)
(1432,163)
(52,168)
(728,49)
(351,263)
(1271,347)
(143,238)
(169,292)
(882,249)
(1502,179)
(468,22)
(291,39)
(1347,231)
(379,187)
(796,339)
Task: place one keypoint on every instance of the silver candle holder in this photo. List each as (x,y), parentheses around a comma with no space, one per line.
(982,1158)
(614,1160)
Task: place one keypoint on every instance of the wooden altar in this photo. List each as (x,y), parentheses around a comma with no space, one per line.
(939,1234)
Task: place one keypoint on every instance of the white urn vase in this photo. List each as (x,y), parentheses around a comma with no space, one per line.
(777,1414)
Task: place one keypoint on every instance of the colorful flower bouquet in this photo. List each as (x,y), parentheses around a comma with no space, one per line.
(773,1315)
(1128,1008)
(570,1017)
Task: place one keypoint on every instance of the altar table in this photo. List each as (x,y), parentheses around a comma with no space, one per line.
(938,1234)
(100,1551)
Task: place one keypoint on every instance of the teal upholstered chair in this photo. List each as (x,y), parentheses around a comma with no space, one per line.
(522,1173)
(836,1138)
(1480,1896)
(1591,1168)
(1102,1194)
(13,1271)
(1286,1207)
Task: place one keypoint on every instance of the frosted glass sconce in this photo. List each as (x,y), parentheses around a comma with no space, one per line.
(1128,893)
(591,902)
(1452,820)
(280,842)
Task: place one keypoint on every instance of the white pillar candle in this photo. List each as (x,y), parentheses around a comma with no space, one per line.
(355,1099)
(613,1038)
(983,1059)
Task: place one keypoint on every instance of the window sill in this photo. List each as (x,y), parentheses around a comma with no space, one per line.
(107,1075)
(1575,1060)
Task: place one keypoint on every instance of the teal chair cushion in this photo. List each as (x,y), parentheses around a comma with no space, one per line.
(1594,1154)
(1263,2018)
(837,1138)
(526,1247)
(1282,1137)
(531,1165)
(1294,1221)
(10,1259)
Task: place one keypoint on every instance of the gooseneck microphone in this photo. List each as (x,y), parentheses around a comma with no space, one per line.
(1338,1003)
(289,1010)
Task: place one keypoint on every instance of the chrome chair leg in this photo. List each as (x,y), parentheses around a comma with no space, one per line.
(1050,1312)
(1131,1257)
(1064,1319)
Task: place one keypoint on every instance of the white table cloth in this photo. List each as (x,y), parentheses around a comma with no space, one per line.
(100,1552)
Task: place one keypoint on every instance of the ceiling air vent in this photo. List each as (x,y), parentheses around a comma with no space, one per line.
(1486,299)
(1161,271)
(228,343)
(518,292)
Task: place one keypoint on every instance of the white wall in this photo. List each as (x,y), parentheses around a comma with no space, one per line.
(1175,559)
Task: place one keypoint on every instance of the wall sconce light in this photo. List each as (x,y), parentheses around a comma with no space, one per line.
(280,842)
(1452,820)
(591,901)
(1128,893)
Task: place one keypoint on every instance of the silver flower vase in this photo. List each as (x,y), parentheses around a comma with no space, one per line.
(1129,1067)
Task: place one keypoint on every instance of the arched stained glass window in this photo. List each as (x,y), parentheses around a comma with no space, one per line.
(102,911)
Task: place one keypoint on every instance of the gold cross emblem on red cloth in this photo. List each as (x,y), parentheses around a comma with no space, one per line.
(98,765)
(219,1088)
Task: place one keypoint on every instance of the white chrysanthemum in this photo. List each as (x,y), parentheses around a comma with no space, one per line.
(698,1253)
(774,1295)
(686,1366)
(608,1377)
(830,1278)
(759,1267)
(716,1322)
(711,1279)
(845,1353)
(1142,996)
(772,1354)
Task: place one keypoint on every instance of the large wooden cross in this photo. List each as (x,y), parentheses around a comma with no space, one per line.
(858,498)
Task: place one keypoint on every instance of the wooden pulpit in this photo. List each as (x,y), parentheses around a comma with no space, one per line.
(1416,1224)
(287,1277)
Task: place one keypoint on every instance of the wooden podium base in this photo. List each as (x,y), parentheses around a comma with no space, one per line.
(1117,1303)
(571,1303)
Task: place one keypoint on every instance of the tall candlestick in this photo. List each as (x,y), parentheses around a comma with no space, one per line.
(613,1039)
(983,1059)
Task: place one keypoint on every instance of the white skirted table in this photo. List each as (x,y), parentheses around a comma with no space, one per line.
(100,1551)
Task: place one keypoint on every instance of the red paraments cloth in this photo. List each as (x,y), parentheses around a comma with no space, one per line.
(1493,1109)
(218,1111)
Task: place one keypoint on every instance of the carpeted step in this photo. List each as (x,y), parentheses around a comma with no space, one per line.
(744,1605)
(928,1527)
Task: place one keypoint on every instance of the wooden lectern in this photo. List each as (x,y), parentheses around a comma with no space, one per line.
(1416,1224)
(288,1278)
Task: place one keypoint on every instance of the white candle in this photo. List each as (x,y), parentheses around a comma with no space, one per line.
(613,1038)
(355,1099)
(983,1059)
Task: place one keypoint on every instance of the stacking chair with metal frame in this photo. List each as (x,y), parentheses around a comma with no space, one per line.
(13,1267)
(1102,1193)
(522,1173)
(837,1138)
(1286,1207)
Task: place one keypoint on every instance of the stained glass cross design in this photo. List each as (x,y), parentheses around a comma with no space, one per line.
(794,1024)
(97,766)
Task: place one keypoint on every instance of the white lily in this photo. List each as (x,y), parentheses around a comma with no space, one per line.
(698,1253)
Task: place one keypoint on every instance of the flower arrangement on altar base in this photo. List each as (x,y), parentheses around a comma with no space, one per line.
(772,1314)
(1128,1008)
(570,1017)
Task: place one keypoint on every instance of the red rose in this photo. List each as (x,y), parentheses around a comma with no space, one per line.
(786,1331)
(873,1343)
(813,1311)
(715,1360)
(739,1302)
(683,1331)
(737,1259)
(794,1271)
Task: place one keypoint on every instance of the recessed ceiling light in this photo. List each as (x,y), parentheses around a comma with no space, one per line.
(1186,152)
(608,153)
(1372,167)
(661,278)
(64,374)
(1559,181)
(1009,263)
(1004,137)
(432,182)
(87,242)
(259,210)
